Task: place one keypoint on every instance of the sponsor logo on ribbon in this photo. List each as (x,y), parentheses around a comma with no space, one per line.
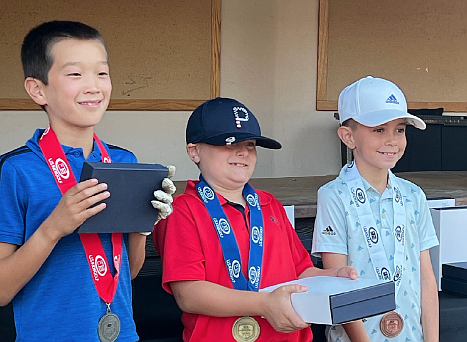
(254,275)
(257,235)
(358,196)
(98,265)
(385,274)
(398,196)
(371,235)
(398,274)
(59,169)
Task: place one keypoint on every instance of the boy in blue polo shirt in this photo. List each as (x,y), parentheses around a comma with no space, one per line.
(61,285)
(377,222)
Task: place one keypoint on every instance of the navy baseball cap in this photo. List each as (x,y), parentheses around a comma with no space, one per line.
(223,121)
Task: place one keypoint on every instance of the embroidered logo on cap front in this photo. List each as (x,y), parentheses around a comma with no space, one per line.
(241,114)
(392,99)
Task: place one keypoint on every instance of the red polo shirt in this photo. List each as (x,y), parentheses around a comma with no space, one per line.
(190,250)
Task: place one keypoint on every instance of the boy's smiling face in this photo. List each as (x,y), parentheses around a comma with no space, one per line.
(378,148)
(79,86)
(225,167)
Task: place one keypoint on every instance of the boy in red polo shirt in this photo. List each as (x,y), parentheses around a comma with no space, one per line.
(226,240)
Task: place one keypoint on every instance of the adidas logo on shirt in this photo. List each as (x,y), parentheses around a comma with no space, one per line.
(392,99)
(328,231)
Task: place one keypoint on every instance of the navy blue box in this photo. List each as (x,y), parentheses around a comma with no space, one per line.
(362,303)
(131,187)
(454,278)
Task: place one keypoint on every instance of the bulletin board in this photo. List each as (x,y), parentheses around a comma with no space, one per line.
(421,45)
(163,54)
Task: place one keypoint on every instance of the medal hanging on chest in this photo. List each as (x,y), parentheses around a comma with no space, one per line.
(244,329)
(391,324)
(108,328)
(106,285)
(375,245)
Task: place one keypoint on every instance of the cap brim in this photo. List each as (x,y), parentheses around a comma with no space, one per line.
(373,119)
(221,140)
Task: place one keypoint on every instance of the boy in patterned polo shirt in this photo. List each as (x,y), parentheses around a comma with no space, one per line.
(377,222)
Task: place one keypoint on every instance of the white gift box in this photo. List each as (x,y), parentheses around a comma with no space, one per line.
(336,300)
(440,202)
(451,228)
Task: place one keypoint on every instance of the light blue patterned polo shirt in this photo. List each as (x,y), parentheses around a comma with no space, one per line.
(337,230)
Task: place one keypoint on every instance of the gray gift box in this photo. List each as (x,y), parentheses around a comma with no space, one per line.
(131,187)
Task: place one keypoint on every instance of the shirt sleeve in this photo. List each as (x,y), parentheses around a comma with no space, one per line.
(426,230)
(177,241)
(12,218)
(330,229)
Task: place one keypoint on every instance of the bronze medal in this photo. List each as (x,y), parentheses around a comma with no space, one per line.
(245,329)
(391,324)
(108,327)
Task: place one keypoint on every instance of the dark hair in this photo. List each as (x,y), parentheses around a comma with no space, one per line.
(351,123)
(35,51)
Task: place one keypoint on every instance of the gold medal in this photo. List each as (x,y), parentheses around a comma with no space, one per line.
(245,329)
(391,324)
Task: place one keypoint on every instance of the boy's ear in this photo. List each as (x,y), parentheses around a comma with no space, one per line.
(34,88)
(193,152)
(346,135)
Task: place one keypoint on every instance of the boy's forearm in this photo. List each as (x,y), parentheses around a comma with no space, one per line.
(430,314)
(203,297)
(429,299)
(315,271)
(136,252)
(207,298)
(356,331)
(19,264)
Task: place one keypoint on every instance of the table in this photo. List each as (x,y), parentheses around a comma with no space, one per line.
(302,191)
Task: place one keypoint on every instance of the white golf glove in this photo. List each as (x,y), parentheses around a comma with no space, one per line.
(163,201)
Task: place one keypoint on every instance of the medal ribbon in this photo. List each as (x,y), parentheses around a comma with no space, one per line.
(227,239)
(368,225)
(105,284)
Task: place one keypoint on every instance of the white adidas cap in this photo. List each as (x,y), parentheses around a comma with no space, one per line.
(375,101)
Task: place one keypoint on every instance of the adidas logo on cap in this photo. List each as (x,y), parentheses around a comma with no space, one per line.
(392,99)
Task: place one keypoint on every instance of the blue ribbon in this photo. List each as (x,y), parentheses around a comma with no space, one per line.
(227,239)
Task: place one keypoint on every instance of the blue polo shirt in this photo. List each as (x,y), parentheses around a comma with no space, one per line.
(60,302)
